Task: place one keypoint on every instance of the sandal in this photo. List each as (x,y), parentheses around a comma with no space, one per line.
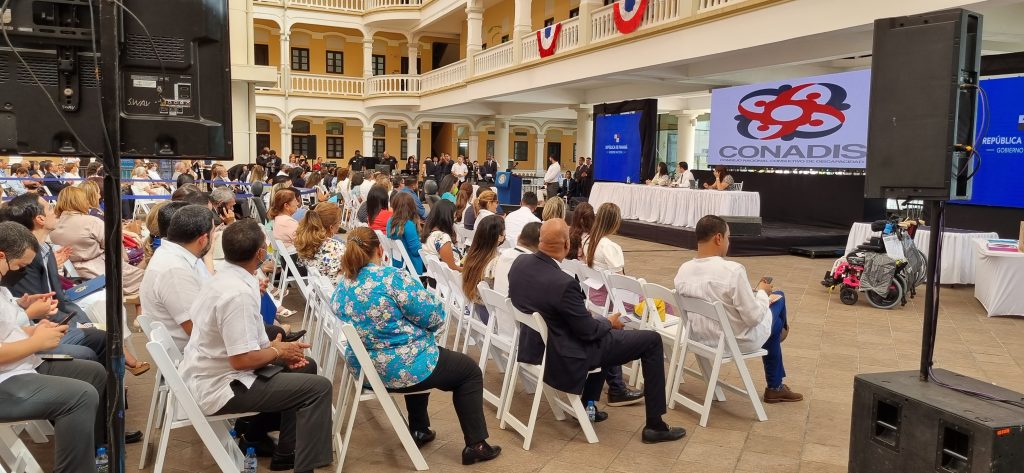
(285,313)
(138,369)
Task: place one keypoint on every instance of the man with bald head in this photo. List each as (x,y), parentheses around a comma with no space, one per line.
(577,341)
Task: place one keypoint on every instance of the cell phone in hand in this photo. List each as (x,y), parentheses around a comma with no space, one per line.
(56,357)
(66,319)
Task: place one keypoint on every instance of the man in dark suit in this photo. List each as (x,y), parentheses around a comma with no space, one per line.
(54,186)
(489,170)
(578,342)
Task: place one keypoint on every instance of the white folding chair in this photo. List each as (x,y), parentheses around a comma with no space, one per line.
(624,289)
(214,431)
(589,278)
(710,358)
(344,422)
(673,330)
(290,272)
(158,402)
(498,340)
(14,453)
(385,244)
(574,406)
(458,307)
(400,253)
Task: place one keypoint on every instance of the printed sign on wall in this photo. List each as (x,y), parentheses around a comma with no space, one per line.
(811,122)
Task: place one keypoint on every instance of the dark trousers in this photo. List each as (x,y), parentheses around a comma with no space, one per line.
(69,394)
(460,375)
(552,189)
(300,401)
(774,372)
(623,346)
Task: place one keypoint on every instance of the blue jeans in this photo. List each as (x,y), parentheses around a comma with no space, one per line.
(774,372)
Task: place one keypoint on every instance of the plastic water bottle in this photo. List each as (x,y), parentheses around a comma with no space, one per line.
(628,180)
(102,461)
(249,465)
(591,411)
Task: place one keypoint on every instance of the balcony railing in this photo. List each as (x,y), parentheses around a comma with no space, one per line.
(492,59)
(568,38)
(355,6)
(393,84)
(327,85)
(657,12)
(378,4)
(454,73)
(708,5)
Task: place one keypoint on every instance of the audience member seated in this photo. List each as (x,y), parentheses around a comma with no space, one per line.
(176,272)
(147,188)
(402,227)
(577,341)
(52,177)
(723,180)
(315,243)
(20,187)
(481,258)
(94,197)
(553,208)
(486,204)
(464,212)
(527,243)
(661,177)
(229,347)
(84,234)
(518,218)
(440,235)
(377,212)
(757,316)
(582,221)
(412,187)
(684,178)
(66,393)
(567,185)
(283,207)
(396,318)
(41,277)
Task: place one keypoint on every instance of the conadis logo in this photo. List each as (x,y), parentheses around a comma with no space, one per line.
(805,111)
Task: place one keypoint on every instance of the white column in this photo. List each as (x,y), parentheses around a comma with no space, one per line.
(474,35)
(286,141)
(367,141)
(501,143)
(243,124)
(473,153)
(368,56)
(542,160)
(584,131)
(686,135)
(412,135)
(522,26)
(286,62)
(587,8)
(414,52)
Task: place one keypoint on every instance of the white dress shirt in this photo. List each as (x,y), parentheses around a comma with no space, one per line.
(226,322)
(683,179)
(514,223)
(504,265)
(716,279)
(460,170)
(171,283)
(607,257)
(10,332)
(553,174)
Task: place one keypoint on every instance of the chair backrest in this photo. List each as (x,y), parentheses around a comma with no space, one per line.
(146,322)
(367,370)
(159,351)
(713,313)
(623,289)
(535,322)
(401,253)
(500,308)
(672,301)
(736,186)
(289,264)
(69,270)
(160,335)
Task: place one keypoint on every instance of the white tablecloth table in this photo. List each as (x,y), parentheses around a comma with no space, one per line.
(958,249)
(998,282)
(674,206)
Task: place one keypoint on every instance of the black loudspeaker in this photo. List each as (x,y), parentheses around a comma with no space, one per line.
(901,424)
(175,81)
(743,226)
(924,88)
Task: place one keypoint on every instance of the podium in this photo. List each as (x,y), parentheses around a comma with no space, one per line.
(510,188)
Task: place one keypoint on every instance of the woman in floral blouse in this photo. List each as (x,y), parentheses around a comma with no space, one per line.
(315,243)
(396,319)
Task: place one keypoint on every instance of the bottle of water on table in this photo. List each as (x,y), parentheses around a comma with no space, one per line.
(591,411)
(249,465)
(102,461)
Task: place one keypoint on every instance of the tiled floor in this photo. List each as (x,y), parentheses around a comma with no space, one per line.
(828,344)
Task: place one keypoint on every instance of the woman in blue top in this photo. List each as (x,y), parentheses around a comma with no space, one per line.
(396,319)
(402,227)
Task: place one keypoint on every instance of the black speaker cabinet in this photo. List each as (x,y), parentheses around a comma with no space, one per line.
(743,226)
(924,78)
(903,425)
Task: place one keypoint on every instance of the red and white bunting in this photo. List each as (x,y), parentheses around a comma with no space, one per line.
(547,39)
(627,20)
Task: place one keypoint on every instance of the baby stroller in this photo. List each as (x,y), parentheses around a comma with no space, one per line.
(887,282)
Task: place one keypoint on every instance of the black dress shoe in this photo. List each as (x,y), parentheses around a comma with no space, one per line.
(600,416)
(264,447)
(479,452)
(132,437)
(282,462)
(657,436)
(630,396)
(423,437)
(294,336)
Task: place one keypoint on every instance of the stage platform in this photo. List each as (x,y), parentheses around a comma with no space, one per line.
(775,239)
